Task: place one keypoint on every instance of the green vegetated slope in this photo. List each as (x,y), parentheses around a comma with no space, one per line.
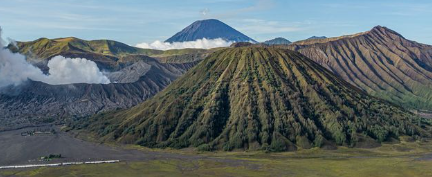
(380,62)
(257,98)
(184,55)
(106,53)
(44,48)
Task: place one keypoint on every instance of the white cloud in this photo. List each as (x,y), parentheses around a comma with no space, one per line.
(14,69)
(198,44)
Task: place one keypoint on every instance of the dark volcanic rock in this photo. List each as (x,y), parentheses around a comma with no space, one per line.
(134,75)
(36,102)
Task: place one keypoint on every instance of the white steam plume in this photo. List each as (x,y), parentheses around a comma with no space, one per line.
(14,69)
(198,44)
(74,70)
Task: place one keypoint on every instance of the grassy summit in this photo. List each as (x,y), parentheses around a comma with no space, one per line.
(105,53)
(258,98)
(44,48)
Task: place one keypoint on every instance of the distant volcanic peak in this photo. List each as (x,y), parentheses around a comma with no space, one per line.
(278,41)
(209,29)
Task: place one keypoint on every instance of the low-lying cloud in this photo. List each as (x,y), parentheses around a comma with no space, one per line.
(198,44)
(14,69)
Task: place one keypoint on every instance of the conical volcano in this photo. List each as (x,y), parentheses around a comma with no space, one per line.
(257,98)
(209,29)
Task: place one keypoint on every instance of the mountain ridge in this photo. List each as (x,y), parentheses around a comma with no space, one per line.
(134,77)
(375,29)
(317,37)
(379,61)
(256,98)
(277,41)
(107,54)
(32,102)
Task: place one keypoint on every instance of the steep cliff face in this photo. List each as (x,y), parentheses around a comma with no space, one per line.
(380,62)
(257,98)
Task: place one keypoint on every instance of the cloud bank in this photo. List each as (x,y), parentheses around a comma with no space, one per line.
(198,44)
(14,69)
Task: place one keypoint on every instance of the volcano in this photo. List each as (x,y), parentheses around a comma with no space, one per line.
(209,29)
(257,98)
(380,61)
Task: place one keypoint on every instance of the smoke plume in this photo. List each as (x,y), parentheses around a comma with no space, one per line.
(74,70)
(198,44)
(14,69)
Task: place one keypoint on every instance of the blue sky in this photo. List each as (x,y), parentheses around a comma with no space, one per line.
(136,21)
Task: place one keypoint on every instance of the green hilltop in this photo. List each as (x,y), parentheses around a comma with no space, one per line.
(258,98)
(44,48)
(107,54)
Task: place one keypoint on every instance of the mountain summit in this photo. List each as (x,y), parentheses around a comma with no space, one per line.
(277,41)
(209,29)
(257,98)
(380,61)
